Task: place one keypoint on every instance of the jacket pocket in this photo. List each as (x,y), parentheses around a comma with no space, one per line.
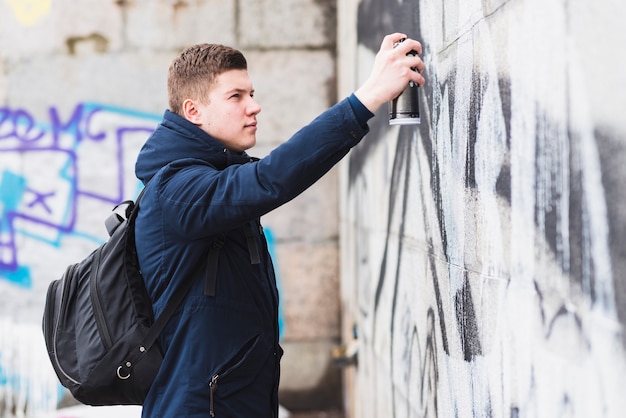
(240,371)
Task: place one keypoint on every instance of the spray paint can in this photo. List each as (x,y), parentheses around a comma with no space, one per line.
(404,109)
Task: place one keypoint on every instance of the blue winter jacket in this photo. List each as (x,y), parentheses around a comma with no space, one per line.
(221,352)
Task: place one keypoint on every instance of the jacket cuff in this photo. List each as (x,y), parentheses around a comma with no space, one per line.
(361,112)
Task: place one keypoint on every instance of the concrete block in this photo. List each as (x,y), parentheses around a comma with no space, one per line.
(292,87)
(166,24)
(62,26)
(131,81)
(309,281)
(287,23)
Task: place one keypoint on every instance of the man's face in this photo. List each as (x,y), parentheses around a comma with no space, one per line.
(230,113)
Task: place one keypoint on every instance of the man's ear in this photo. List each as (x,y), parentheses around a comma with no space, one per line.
(191,112)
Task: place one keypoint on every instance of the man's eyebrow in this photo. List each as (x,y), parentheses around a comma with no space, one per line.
(239,90)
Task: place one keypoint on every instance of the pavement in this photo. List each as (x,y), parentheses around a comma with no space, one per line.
(317,414)
(83,411)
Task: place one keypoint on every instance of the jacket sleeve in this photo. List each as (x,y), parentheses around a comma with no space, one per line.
(201,201)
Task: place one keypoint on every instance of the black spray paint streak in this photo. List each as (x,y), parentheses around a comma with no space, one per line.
(378,18)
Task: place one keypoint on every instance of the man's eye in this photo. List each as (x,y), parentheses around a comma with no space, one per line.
(235,96)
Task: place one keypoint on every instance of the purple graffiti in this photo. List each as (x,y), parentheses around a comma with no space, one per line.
(47,170)
(40,199)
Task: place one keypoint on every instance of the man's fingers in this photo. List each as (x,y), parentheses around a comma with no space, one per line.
(409,45)
(390,40)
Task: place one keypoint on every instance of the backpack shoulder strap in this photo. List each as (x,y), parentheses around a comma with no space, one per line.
(166,314)
(115,220)
(178,296)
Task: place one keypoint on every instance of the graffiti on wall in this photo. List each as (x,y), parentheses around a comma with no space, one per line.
(48,168)
(60,176)
(488,287)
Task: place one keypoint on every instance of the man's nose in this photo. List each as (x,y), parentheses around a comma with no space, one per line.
(253,107)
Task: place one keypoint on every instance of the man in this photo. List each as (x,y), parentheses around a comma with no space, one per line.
(199,220)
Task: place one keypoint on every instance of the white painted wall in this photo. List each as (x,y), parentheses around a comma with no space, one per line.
(482,253)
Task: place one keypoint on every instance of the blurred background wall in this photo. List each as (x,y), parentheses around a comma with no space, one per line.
(82,85)
(483,252)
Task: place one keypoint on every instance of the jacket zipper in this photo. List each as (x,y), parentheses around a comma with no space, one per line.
(213,387)
(97,305)
(226,369)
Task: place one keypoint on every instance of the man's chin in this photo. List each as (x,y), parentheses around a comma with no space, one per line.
(244,146)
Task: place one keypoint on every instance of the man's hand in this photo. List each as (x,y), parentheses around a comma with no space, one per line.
(392,71)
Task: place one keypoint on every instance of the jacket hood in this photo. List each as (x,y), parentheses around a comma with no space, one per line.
(176,139)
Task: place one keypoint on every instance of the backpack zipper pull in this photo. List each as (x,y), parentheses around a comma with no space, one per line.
(213,387)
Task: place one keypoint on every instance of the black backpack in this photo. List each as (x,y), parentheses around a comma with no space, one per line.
(98,323)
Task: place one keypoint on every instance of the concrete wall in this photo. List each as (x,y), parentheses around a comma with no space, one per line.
(82,85)
(483,252)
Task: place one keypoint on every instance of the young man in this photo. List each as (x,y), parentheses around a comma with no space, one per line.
(199,220)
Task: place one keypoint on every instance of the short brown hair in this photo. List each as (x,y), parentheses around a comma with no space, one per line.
(191,73)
